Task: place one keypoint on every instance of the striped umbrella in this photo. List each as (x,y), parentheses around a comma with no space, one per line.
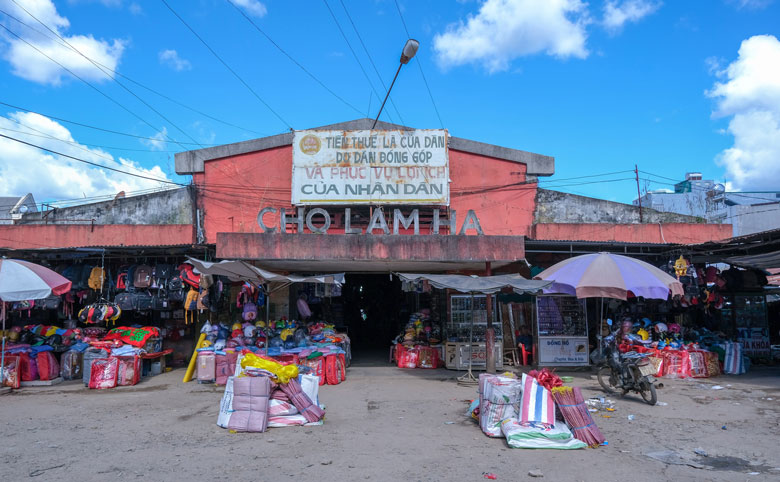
(19,281)
(609,275)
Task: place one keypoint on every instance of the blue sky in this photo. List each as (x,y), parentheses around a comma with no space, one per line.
(670,86)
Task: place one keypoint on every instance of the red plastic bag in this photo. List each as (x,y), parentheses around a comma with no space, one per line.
(129,372)
(11,372)
(28,367)
(698,364)
(48,367)
(334,369)
(104,373)
(427,357)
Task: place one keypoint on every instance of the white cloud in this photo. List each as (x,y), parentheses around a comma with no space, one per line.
(617,14)
(750,95)
(252,7)
(503,30)
(751,4)
(158,141)
(32,65)
(49,176)
(135,9)
(171,59)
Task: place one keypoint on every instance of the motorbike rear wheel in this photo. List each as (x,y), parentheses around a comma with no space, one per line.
(607,380)
(648,392)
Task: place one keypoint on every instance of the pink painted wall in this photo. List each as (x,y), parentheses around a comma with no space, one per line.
(234,189)
(45,236)
(676,233)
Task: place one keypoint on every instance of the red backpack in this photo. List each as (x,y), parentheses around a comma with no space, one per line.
(188,276)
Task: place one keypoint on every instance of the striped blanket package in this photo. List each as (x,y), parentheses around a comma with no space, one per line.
(523,437)
(499,399)
(537,408)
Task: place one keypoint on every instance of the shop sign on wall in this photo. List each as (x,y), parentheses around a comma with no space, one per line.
(755,341)
(563,350)
(370,167)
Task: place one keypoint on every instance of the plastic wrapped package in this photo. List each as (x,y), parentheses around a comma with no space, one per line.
(283,373)
(277,408)
(537,407)
(103,373)
(559,436)
(206,367)
(500,399)
(90,355)
(48,366)
(11,376)
(71,364)
(129,372)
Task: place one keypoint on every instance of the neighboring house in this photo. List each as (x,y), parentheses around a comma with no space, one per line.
(13,208)
(747,212)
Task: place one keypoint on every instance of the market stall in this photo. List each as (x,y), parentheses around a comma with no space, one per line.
(469,354)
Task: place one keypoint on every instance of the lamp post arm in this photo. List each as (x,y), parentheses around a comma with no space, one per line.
(387,95)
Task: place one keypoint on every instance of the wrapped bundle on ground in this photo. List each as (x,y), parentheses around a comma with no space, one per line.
(537,408)
(302,402)
(499,399)
(576,414)
(522,436)
(250,404)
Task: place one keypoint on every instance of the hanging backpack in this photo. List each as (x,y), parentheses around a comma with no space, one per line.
(142,278)
(84,275)
(190,305)
(96,279)
(164,272)
(188,276)
(130,279)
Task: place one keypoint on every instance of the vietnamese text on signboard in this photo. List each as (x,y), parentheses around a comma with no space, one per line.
(563,350)
(370,167)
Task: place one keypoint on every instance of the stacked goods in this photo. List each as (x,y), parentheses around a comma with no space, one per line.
(268,394)
(576,414)
(499,400)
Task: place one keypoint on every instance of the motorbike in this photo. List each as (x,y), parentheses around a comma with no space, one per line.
(628,372)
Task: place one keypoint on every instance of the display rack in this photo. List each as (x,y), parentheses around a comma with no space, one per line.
(459,321)
(562,331)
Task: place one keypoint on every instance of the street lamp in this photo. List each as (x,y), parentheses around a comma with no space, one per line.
(409,51)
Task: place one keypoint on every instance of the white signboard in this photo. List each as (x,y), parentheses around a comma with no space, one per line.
(370,167)
(563,350)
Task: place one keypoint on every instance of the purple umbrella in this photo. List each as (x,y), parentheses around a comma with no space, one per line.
(609,275)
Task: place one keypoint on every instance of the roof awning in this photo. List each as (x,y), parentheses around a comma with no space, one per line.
(243,271)
(764,261)
(479,284)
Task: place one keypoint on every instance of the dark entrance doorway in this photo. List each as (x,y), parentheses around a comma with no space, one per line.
(374,312)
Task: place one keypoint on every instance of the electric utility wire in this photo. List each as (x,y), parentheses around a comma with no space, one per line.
(419,64)
(80,124)
(371,60)
(92,163)
(77,144)
(89,84)
(139,84)
(354,54)
(111,77)
(314,77)
(235,74)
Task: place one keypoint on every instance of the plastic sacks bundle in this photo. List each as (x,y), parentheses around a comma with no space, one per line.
(538,408)
(282,373)
(499,399)
(522,436)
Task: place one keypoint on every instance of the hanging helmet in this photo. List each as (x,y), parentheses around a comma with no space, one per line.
(260,324)
(674,328)
(661,328)
(643,333)
(647,322)
(236,326)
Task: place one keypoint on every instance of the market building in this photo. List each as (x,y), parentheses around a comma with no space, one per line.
(344,198)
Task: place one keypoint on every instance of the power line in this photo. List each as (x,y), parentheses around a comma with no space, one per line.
(371,60)
(257,27)
(152,108)
(354,54)
(139,84)
(235,74)
(91,126)
(85,81)
(76,144)
(90,162)
(419,65)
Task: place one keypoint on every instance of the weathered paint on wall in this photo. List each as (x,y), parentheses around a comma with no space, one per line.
(164,207)
(661,233)
(232,191)
(561,207)
(84,235)
(370,248)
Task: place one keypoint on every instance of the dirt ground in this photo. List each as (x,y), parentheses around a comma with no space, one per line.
(383,423)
